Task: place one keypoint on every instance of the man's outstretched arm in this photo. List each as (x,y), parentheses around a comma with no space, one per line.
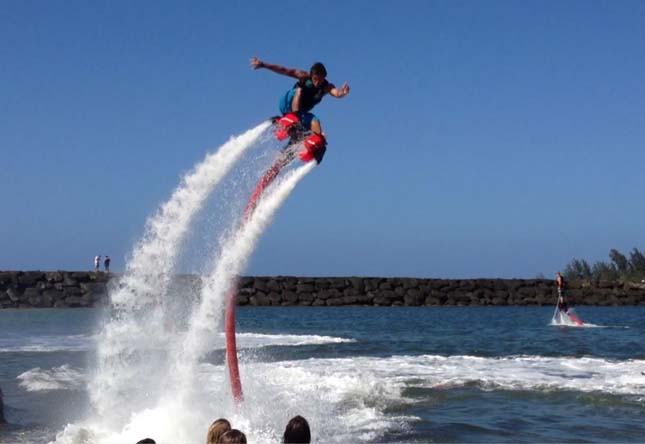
(339,92)
(290,72)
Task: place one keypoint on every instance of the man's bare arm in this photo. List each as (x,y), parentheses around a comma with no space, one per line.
(290,72)
(338,93)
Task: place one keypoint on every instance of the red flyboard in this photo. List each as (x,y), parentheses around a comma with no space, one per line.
(575,319)
(285,125)
(314,147)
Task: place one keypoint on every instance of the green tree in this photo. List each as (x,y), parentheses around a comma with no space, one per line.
(602,271)
(577,269)
(637,262)
(619,260)
(620,268)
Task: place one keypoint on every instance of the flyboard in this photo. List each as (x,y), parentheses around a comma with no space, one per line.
(305,145)
(574,318)
(570,319)
(561,314)
(566,318)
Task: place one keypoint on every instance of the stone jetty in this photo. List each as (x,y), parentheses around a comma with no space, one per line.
(63,289)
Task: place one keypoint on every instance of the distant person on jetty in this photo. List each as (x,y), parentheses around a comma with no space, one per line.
(297,431)
(106,263)
(233,436)
(97,263)
(216,430)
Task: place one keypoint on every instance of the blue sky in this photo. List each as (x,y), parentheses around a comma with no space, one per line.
(480,139)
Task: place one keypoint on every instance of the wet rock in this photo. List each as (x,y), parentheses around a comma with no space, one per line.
(86,289)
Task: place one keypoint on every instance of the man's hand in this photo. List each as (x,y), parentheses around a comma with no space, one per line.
(339,92)
(256,63)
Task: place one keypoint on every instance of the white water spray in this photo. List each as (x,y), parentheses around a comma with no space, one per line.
(153,259)
(147,373)
(137,327)
(564,320)
(184,406)
(177,410)
(233,260)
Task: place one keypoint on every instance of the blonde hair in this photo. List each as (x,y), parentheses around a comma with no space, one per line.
(216,430)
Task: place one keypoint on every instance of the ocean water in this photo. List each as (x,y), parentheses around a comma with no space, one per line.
(359,374)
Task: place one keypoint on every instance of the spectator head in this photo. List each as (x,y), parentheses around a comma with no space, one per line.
(297,431)
(147,441)
(216,430)
(233,436)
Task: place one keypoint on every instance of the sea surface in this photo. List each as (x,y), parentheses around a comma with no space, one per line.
(382,375)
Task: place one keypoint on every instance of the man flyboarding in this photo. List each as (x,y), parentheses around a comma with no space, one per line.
(297,121)
(297,103)
(559,281)
(562,303)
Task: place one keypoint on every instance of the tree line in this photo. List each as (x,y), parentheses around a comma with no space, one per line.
(620,268)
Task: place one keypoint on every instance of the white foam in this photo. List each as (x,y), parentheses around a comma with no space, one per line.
(349,399)
(57,378)
(48,343)
(84,343)
(257,340)
(260,340)
(534,373)
(560,319)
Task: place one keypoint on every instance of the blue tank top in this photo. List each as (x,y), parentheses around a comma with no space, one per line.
(310,95)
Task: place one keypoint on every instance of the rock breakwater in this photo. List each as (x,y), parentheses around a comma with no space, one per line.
(62,289)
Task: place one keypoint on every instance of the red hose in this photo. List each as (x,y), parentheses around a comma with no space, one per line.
(231,297)
(231,347)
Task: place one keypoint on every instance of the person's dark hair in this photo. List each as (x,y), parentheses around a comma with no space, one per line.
(318,68)
(297,431)
(147,441)
(233,437)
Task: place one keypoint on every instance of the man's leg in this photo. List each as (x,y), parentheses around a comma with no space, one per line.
(316,127)
(295,102)
(310,122)
(315,144)
(286,101)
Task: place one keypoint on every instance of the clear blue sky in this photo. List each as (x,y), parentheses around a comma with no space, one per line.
(480,139)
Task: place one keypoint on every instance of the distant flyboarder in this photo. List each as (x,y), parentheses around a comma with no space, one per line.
(562,303)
